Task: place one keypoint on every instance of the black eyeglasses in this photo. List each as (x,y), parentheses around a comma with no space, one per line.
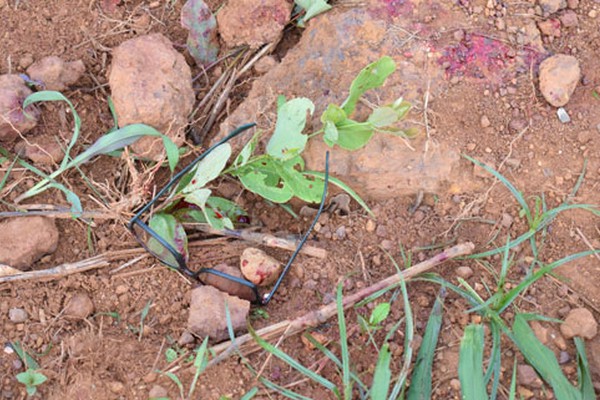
(168,255)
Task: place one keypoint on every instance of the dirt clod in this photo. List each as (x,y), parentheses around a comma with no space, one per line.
(12,118)
(527,376)
(259,267)
(464,272)
(17,315)
(26,240)
(579,322)
(80,306)
(158,392)
(151,84)
(207,313)
(253,23)
(559,75)
(552,6)
(42,151)
(55,73)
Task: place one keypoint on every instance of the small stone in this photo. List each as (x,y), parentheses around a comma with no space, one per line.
(12,118)
(516,125)
(207,313)
(17,315)
(340,232)
(151,377)
(572,4)
(579,322)
(185,339)
(507,220)
(559,75)
(121,289)
(259,267)
(381,230)
(525,393)
(550,27)
(564,357)
(158,392)
(26,240)
(527,376)
(484,121)
(552,6)
(569,19)
(55,73)
(563,116)
(585,136)
(418,216)
(80,306)
(370,226)
(464,272)
(593,14)
(387,244)
(455,385)
(116,387)
(25,61)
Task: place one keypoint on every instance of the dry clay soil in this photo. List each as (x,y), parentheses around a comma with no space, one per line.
(104,357)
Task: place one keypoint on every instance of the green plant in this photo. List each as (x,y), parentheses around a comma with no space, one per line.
(31,379)
(279,174)
(114,140)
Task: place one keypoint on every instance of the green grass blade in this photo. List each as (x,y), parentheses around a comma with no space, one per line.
(7,173)
(177,381)
(291,361)
(383,375)
(346,381)
(282,391)
(542,359)
(495,360)
(344,187)
(420,386)
(470,366)
(586,385)
(512,394)
(28,360)
(250,394)
(513,190)
(200,364)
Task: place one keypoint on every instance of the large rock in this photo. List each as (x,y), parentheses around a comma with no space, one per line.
(25,240)
(579,322)
(12,118)
(151,84)
(207,313)
(559,75)
(252,22)
(55,73)
(332,50)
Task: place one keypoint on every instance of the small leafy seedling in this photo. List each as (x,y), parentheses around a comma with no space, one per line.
(31,379)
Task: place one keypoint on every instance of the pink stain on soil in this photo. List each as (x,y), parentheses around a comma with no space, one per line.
(391,9)
(481,57)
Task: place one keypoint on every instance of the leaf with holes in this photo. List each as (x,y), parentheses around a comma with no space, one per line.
(209,168)
(261,177)
(202,36)
(287,140)
(371,77)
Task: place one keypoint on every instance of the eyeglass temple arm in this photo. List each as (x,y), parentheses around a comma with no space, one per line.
(191,165)
(269,296)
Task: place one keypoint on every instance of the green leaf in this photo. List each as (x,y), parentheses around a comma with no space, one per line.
(383,116)
(250,394)
(346,377)
(334,114)
(331,135)
(302,186)
(353,135)
(420,386)
(202,40)
(470,366)
(31,379)
(312,8)
(209,168)
(371,77)
(261,177)
(171,355)
(28,360)
(123,137)
(542,359)
(170,230)
(383,375)
(379,314)
(244,156)
(586,386)
(287,140)
(200,364)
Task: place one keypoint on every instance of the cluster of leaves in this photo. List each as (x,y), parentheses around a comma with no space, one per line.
(279,173)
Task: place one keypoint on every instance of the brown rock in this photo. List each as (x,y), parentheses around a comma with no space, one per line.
(55,73)
(569,19)
(23,241)
(464,272)
(265,64)
(572,4)
(527,376)
(158,392)
(579,322)
(80,306)
(12,118)
(227,285)
(253,23)
(259,267)
(532,37)
(552,6)
(151,84)
(207,313)
(559,75)
(550,27)
(40,151)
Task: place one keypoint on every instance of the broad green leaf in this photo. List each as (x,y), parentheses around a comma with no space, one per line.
(287,140)
(420,386)
(225,207)
(371,77)
(383,375)
(334,114)
(470,366)
(312,8)
(202,40)
(248,150)
(331,134)
(302,186)
(383,116)
(170,355)
(123,137)
(353,135)
(171,231)
(542,359)
(262,177)
(209,168)
(379,314)
(216,219)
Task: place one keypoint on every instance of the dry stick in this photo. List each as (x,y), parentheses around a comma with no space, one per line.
(261,238)
(219,104)
(315,318)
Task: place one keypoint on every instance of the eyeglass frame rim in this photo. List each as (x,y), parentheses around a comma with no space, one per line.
(182,264)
